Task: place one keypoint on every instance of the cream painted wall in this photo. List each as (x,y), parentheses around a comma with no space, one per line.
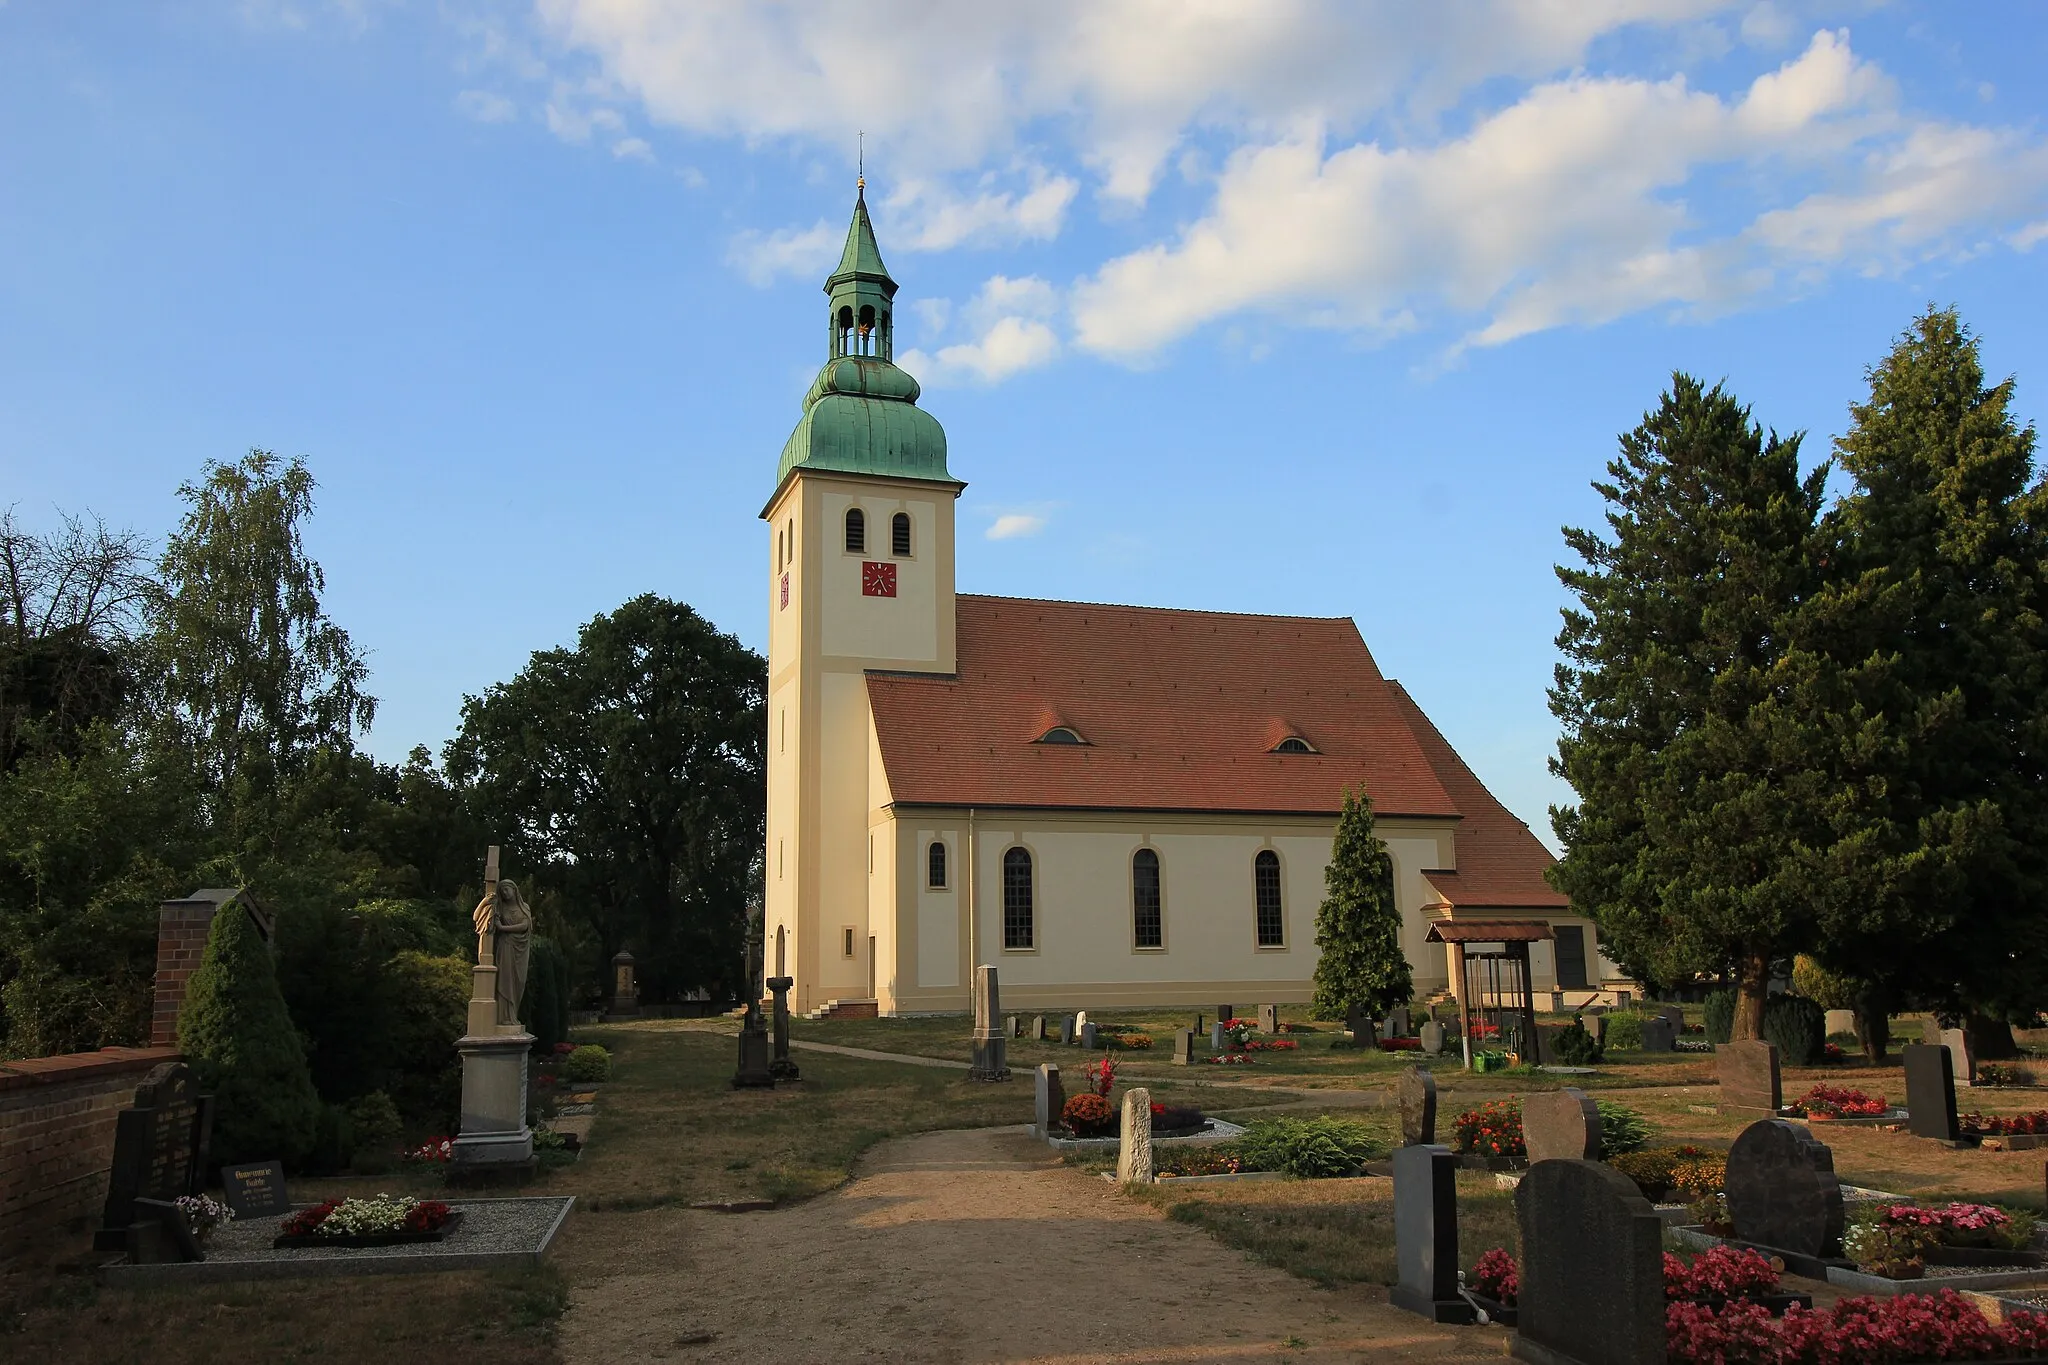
(899,631)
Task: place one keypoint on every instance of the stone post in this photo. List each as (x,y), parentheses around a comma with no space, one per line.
(753,1072)
(1134,1150)
(781,1067)
(625,988)
(991,1061)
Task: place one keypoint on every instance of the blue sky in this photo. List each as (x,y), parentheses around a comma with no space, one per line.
(1331,309)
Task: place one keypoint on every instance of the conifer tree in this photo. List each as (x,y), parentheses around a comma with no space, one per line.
(1687,706)
(1942,542)
(241,1043)
(1360,964)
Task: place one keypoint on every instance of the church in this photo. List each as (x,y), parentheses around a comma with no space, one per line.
(1115,806)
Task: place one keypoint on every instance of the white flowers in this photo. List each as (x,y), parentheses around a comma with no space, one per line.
(362,1217)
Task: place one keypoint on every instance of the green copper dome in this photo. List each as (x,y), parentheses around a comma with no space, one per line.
(861,414)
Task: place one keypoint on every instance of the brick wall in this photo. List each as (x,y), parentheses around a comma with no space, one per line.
(57,1137)
(181,930)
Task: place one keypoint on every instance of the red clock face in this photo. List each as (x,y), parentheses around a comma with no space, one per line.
(877,580)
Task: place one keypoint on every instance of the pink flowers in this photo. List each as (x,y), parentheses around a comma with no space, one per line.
(1833,1101)
(1862,1331)
(1497,1278)
(1719,1273)
(1101,1075)
(1955,1224)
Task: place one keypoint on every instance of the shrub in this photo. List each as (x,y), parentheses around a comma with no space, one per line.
(375,1127)
(1573,1045)
(1720,1015)
(1493,1129)
(544,1009)
(432,995)
(1088,1115)
(1622,1129)
(1312,1148)
(1999,1074)
(1625,1031)
(1798,1026)
(1128,1042)
(244,1050)
(587,1064)
(333,1142)
(1651,1167)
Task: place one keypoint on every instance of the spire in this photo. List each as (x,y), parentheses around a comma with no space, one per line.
(861,290)
(861,258)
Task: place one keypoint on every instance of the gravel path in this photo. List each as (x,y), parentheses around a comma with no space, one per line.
(959,1247)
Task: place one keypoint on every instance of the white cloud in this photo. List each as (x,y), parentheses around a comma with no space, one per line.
(484,106)
(2030,236)
(632,148)
(924,215)
(1010,320)
(763,257)
(1566,207)
(1015,526)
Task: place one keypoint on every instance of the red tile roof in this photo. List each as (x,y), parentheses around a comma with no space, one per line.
(1500,863)
(1178,709)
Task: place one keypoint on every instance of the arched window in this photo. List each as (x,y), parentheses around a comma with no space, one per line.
(1294,744)
(1147,927)
(1272,927)
(1017,926)
(899,534)
(856,532)
(935,865)
(1061,734)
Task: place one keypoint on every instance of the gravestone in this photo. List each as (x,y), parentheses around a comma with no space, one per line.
(1596,1025)
(1416,1094)
(1038,1028)
(1357,1022)
(752,1072)
(1433,1039)
(1269,1018)
(1049,1099)
(1184,1048)
(1930,1092)
(1225,1013)
(1013,1027)
(161,1234)
(1199,1027)
(991,1060)
(1592,1272)
(1399,1021)
(1426,1234)
(1217,1042)
(1750,1086)
(1557,1002)
(160,1146)
(625,988)
(1067,1031)
(1673,1015)
(1134,1147)
(256,1189)
(1088,1037)
(1080,1021)
(1561,1125)
(1659,1035)
(780,1066)
(1782,1190)
(1839,1021)
(1963,1066)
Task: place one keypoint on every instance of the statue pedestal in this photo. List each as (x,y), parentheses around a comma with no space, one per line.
(494,1136)
(753,1073)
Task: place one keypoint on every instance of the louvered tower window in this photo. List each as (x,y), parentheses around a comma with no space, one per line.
(856,532)
(899,534)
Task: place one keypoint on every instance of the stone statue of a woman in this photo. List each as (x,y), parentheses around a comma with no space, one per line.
(507,916)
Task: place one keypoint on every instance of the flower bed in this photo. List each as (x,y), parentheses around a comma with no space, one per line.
(433,1151)
(1230,1058)
(203,1214)
(1128,1042)
(1088,1115)
(1905,1330)
(1656,1170)
(1271,1045)
(387,1220)
(2001,1074)
(1839,1102)
(1186,1161)
(2004,1125)
(1400,1044)
(1493,1129)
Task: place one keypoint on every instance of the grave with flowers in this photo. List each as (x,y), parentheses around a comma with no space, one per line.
(1087,1120)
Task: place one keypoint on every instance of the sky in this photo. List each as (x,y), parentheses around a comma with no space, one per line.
(1329,309)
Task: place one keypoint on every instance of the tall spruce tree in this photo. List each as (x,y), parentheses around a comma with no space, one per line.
(1360,964)
(1942,544)
(1687,706)
(244,1049)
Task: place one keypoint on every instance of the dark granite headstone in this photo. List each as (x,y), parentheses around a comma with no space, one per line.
(1930,1092)
(1269,1018)
(256,1189)
(1750,1086)
(780,1066)
(1592,1269)
(160,1147)
(1432,1035)
(1426,1234)
(1184,1048)
(1398,1021)
(1782,1190)
(1561,1125)
(1049,1099)
(1659,1035)
(1416,1092)
(161,1233)
(1225,1013)
(1067,1033)
(1674,1015)
(1200,1028)
(1088,1036)
(1038,1028)
(752,1072)
(1357,1022)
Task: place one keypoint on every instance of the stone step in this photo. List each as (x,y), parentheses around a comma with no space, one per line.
(845,1009)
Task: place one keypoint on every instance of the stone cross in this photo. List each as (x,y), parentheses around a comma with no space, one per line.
(1269,1018)
(1184,1048)
(1561,1125)
(990,1060)
(1134,1149)
(1782,1189)
(1432,1034)
(780,1066)
(1416,1092)
(1049,1099)
(1931,1092)
(1592,1267)
(1750,1086)
(1426,1234)
(1659,1035)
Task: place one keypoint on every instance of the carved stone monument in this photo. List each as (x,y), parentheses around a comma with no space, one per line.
(1782,1189)
(1134,1151)
(991,1061)
(494,1137)
(780,1066)
(1561,1125)
(625,988)
(1659,1035)
(160,1147)
(753,1072)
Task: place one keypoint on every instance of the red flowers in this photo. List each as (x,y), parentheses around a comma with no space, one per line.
(1493,1129)
(1497,1277)
(1271,1045)
(1837,1102)
(1719,1273)
(1999,1125)
(429,1215)
(308,1220)
(1231,1058)
(1861,1331)
(1101,1075)
(1400,1044)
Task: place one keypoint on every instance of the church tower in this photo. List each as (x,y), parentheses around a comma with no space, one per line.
(860,545)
